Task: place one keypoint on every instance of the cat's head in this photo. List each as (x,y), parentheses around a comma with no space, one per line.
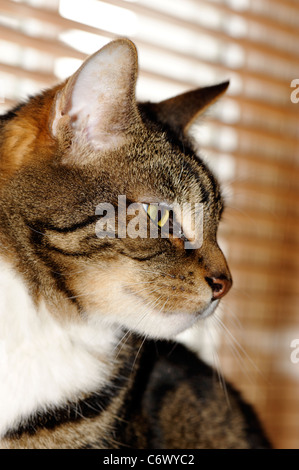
(90,181)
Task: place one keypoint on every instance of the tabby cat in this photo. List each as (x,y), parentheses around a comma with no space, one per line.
(87,322)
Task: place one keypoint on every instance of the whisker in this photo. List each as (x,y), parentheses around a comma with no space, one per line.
(238,349)
(159,273)
(262,206)
(164,304)
(232,317)
(125,338)
(146,288)
(241,292)
(36,231)
(129,333)
(139,349)
(138,282)
(86,294)
(216,361)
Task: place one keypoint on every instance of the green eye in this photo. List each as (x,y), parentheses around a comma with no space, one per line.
(158,214)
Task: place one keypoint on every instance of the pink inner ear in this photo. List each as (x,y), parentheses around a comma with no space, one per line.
(100,97)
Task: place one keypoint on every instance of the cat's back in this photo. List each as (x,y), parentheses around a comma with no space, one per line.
(180,402)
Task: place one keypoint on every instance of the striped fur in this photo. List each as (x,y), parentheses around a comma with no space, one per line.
(77,369)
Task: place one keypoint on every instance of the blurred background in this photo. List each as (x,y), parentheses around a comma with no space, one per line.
(250,139)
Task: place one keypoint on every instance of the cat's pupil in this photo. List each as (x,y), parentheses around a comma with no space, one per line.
(158,214)
(163,216)
(165,220)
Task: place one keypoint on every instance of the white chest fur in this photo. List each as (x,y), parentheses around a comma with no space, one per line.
(43,363)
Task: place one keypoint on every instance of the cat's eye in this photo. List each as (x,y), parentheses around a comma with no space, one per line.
(158,214)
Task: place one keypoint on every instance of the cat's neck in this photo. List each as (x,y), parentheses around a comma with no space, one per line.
(43,363)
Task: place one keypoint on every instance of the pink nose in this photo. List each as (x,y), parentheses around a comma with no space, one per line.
(220,286)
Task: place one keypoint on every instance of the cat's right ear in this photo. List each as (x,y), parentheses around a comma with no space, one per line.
(182,111)
(98,102)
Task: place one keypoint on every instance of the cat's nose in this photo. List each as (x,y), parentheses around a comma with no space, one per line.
(219,285)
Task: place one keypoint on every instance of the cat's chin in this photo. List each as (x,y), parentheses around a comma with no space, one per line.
(209,310)
(161,326)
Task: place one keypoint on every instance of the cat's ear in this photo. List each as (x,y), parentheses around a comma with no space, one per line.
(183,110)
(98,101)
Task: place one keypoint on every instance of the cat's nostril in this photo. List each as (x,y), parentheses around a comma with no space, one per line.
(220,286)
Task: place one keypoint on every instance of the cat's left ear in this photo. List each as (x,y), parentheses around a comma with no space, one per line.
(183,110)
(98,101)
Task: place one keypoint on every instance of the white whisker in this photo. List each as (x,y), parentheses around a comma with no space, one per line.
(147,309)
(238,349)
(216,360)
(139,349)
(146,289)
(36,231)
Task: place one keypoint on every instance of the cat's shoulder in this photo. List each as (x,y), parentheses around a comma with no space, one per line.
(185,395)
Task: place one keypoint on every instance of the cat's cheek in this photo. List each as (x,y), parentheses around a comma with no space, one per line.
(119,300)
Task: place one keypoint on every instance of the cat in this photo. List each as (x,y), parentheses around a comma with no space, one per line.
(88,321)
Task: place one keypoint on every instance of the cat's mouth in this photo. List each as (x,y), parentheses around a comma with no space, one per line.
(209,310)
(198,312)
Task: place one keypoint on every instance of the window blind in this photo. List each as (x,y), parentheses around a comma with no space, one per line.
(250,139)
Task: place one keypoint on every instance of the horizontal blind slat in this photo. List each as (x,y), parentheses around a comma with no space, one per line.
(288,170)
(23,10)
(188,24)
(252,16)
(49,46)
(56,19)
(35,75)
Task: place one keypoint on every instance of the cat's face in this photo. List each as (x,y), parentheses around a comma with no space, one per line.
(92,150)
